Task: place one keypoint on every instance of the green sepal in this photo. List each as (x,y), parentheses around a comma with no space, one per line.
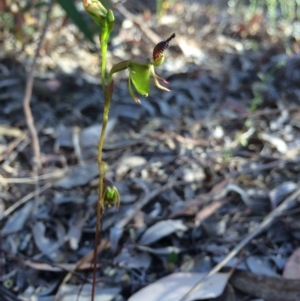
(110,22)
(107,27)
(136,99)
(139,74)
(117,68)
(156,78)
(110,18)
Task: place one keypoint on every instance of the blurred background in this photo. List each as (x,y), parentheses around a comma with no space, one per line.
(226,139)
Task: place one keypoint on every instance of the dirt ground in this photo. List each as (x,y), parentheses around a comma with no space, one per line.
(203,169)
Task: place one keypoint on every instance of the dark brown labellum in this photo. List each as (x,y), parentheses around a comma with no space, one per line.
(161,47)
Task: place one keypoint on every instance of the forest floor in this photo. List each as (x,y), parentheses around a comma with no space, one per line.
(200,169)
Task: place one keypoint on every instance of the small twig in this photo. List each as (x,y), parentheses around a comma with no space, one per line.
(57,267)
(265,112)
(76,143)
(27,99)
(57,174)
(151,35)
(262,227)
(22,201)
(87,258)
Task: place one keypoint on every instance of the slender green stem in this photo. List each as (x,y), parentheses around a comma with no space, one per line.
(100,204)
(103,42)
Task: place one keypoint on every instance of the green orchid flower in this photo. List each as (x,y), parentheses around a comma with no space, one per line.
(111,194)
(140,71)
(139,77)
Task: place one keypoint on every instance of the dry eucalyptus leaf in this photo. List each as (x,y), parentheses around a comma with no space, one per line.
(17,221)
(64,136)
(261,265)
(278,194)
(266,287)
(175,286)
(127,163)
(162,251)
(160,230)
(43,243)
(136,260)
(292,267)
(89,137)
(78,176)
(241,192)
(83,293)
(114,236)
(75,229)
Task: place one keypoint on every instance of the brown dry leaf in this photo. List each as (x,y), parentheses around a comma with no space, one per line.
(58,267)
(266,287)
(175,286)
(191,207)
(292,267)
(210,209)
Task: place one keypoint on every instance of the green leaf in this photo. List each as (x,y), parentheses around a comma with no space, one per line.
(76,17)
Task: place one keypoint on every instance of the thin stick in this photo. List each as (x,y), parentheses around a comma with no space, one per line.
(139,22)
(22,201)
(104,244)
(27,99)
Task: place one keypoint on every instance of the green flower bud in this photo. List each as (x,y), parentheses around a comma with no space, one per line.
(96,10)
(111,196)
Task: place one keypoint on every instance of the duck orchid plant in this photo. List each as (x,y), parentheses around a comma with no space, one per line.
(139,78)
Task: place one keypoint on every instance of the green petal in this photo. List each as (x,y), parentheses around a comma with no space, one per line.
(156,78)
(131,92)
